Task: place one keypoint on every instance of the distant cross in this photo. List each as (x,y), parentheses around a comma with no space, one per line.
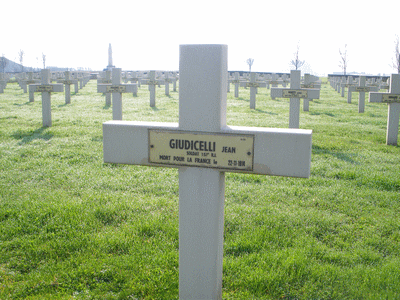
(152,83)
(253,85)
(67,81)
(349,84)
(106,80)
(46,89)
(310,82)
(236,82)
(3,82)
(203,147)
(361,89)
(393,100)
(295,93)
(116,88)
(167,81)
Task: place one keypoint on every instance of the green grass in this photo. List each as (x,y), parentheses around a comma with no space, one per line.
(72,227)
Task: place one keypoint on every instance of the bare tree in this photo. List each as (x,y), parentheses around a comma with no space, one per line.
(3,62)
(343,59)
(396,59)
(44,60)
(250,62)
(296,62)
(21,59)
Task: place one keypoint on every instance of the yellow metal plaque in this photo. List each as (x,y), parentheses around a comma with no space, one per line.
(198,149)
(44,88)
(390,98)
(253,84)
(294,94)
(116,89)
(361,89)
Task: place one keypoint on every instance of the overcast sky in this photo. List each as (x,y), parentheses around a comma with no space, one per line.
(145,35)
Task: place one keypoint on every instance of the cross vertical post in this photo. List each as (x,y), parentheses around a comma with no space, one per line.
(393,100)
(202,107)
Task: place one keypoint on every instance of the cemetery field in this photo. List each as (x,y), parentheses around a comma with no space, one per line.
(73,227)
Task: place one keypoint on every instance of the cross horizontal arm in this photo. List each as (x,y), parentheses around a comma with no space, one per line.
(384,97)
(281,152)
(53,88)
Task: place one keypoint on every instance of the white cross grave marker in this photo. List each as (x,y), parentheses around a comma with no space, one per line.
(393,100)
(46,89)
(116,88)
(203,147)
(152,82)
(236,82)
(67,81)
(294,93)
(361,89)
(3,82)
(309,83)
(253,85)
(106,79)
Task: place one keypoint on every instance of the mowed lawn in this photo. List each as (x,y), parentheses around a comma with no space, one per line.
(73,227)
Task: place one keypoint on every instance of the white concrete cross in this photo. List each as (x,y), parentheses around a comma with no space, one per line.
(167,81)
(310,82)
(253,84)
(106,79)
(349,83)
(152,82)
(361,89)
(393,100)
(294,93)
(67,81)
(203,147)
(46,89)
(3,82)
(116,88)
(236,82)
(30,80)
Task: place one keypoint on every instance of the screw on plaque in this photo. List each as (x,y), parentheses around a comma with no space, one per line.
(151,146)
(249,153)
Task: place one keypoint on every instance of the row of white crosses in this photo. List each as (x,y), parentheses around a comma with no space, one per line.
(393,100)
(295,92)
(203,147)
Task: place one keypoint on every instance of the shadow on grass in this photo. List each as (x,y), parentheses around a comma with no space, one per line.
(28,136)
(319,113)
(65,104)
(106,106)
(26,103)
(339,155)
(265,112)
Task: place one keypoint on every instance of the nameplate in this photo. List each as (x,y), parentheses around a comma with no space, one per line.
(44,88)
(390,98)
(362,89)
(116,89)
(308,85)
(199,149)
(294,94)
(253,84)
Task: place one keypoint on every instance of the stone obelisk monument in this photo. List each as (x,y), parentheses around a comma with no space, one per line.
(110,64)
